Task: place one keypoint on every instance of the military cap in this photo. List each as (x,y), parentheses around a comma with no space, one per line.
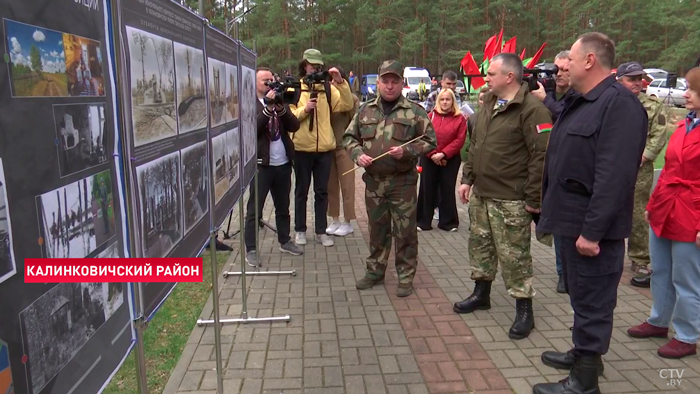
(630,69)
(313,56)
(391,67)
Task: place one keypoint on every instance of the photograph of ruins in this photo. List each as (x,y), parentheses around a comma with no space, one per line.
(80,132)
(84,68)
(232,92)
(217,93)
(218,159)
(191,95)
(77,218)
(248,110)
(59,323)
(37,61)
(7,255)
(233,146)
(195,182)
(161,212)
(152,87)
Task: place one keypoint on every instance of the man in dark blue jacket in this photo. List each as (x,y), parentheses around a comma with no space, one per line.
(554,99)
(588,191)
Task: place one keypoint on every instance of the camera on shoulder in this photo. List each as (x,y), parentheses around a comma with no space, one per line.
(286,92)
(544,74)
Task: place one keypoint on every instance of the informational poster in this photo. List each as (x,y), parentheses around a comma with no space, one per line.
(225,114)
(166,132)
(60,197)
(249,102)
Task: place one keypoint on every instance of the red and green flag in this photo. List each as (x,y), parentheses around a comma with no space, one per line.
(544,128)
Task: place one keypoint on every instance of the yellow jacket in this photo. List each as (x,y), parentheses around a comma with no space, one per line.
(321,137)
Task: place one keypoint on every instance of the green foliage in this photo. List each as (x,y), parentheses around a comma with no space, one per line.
(35,59)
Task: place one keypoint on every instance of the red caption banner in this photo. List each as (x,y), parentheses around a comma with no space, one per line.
(188,269)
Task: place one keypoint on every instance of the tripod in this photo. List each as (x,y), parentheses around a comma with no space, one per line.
(261,223)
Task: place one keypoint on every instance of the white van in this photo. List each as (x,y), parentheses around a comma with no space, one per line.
(412,77)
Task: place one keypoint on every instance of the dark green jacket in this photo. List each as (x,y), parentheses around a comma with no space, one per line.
(506,156)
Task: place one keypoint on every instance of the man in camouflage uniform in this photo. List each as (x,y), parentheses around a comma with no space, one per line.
(630,75)
(505,165)
(383,125)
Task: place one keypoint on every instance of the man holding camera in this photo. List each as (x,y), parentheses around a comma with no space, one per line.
(388,124)
(630,76)
(275,157)
(315,142)
(504,168)
(554,99)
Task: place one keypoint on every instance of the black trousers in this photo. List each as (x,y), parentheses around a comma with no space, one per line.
(308,165)
(437,188)
(592,286)
(278,181)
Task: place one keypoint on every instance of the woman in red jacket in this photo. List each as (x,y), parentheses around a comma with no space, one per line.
(673,214)
(440,167)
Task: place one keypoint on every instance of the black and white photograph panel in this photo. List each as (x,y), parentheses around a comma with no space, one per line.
(77,218)
(248,103)
(217,92)
(80,136)
(191,95)
(233,147)
(195,182)
(7,255)
(232,91)
(161,210)
(152,86)
(219,160)
(60,322)
(111,252)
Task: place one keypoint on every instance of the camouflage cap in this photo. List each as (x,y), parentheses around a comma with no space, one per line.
(313,56)
(391,67)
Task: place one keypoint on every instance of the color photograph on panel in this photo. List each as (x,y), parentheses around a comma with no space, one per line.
(248,124)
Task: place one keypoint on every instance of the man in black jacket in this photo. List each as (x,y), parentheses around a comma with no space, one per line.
(275,157)
(554,99)
(588,193)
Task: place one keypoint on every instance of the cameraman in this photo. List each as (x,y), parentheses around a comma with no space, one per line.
(554,99)
(275,156)
(315,141)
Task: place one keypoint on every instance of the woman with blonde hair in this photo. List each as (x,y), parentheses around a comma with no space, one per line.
(440,167)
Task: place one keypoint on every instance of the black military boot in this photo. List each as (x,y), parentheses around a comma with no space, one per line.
(558,360)
(583,379)
(480,298)
(524,319)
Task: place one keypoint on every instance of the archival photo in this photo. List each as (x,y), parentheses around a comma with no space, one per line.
(77,218)
(37,61)
(217,93)
(218,159)
(7,255)
(195,181)
(152,87)
(84,67)
(191,95)
(161,212)
(111,252)
(248,114)
(232,92)
(233,146)
(60,322)
(80,135)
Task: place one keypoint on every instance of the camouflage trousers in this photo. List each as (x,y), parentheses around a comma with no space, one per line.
(391,202)
(500,232)
(638,244)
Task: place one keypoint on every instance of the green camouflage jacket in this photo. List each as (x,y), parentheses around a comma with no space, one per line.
(656,136)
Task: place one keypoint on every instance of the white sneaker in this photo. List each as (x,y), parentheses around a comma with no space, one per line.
(343,230)
(300,239)
(325,240)
(333,228)
(436,215)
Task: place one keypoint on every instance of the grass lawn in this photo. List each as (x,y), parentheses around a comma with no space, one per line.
(166,335)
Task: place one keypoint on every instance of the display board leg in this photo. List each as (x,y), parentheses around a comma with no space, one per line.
(227,233)
(140,324)
(217,316)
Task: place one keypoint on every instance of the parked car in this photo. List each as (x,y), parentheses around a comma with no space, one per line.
(673,96)
(461,90)
(368,87)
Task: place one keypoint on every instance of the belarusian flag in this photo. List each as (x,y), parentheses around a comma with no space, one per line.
(544,128)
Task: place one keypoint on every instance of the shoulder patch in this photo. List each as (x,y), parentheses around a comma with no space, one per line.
(544,128)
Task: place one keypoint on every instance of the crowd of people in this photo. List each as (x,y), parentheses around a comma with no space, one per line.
(577,161)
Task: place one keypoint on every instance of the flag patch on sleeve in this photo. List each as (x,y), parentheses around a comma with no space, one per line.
(544,128)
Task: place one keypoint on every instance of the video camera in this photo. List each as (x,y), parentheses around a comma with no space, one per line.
(286,92)
(544,74)
(317,77)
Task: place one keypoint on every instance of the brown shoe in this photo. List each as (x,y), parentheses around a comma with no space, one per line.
(677,349)
(646,330)
(368,282)
(404,290)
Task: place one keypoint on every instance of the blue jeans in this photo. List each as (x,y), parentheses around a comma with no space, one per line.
(557,254)
(675,286)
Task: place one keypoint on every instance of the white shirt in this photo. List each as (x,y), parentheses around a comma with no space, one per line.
(278,155)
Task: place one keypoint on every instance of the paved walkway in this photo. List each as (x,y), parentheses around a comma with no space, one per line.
(340,340)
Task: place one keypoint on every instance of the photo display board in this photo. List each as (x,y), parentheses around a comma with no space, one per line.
(222,64)
(166,132)
(249,102)
(61,196)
